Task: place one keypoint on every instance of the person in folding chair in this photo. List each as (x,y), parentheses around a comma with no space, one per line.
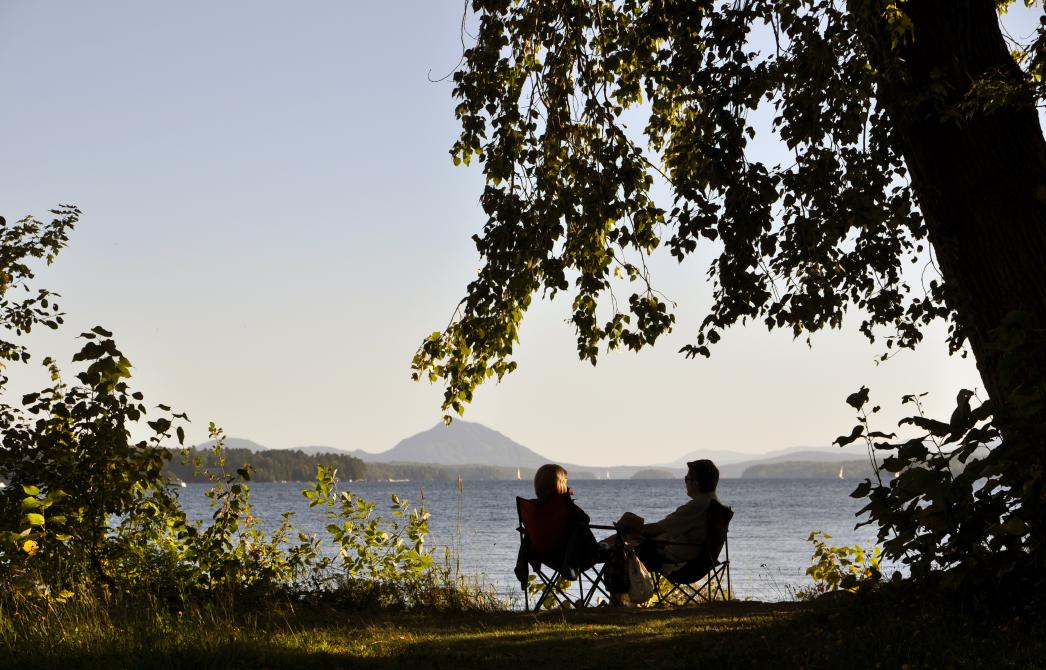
(684,547)
(555,534)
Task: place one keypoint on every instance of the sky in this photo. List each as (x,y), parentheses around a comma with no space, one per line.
(272,223)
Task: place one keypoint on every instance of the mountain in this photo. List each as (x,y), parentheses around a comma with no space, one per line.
(235,443)
(460,443)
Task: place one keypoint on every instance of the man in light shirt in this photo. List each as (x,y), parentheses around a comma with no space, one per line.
(687,525)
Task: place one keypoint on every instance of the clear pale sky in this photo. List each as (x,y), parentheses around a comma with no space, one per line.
(272,223)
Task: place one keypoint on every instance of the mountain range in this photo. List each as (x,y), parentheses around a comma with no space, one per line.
(468,443)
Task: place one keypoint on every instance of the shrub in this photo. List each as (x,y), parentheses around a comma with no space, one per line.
(834,568)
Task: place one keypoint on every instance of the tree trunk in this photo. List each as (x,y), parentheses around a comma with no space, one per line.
(980,181)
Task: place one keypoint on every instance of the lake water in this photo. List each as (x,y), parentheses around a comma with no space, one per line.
(768,549)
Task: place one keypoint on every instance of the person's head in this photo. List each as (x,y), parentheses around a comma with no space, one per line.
(549,480)
(702,476)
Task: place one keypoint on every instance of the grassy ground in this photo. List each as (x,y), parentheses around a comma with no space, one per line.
(867,633)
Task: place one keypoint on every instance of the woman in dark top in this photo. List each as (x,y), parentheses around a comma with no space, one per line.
(576,547)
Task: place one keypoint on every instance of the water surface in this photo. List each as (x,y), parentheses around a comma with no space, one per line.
(768,548)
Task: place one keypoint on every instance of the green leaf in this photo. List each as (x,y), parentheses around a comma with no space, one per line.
(862,489)
(858,399)
(935,428)
(1015,526)
(35,519)
(31,490)
(844,440)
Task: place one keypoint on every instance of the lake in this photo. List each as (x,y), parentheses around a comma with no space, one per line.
(768,549)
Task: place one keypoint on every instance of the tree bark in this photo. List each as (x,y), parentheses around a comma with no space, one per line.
(980,181)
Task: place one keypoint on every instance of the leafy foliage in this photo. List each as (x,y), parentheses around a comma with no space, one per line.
(967,502)
(88,510)
(547,98)
(384,557)
(21,244)
(840,567)
(72,468)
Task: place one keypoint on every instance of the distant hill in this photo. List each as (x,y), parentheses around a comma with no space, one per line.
(251,445)
(468,443)
(826,455)
(460,443)
(654,473)
(719,456)
(856,470)
(330,450)
(235,443)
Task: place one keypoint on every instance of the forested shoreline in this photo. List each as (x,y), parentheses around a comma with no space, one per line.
(292,465)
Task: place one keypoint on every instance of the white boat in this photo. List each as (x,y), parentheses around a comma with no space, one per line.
(519,475)
(608,474)
(841,469)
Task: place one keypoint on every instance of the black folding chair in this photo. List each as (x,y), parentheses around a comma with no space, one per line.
(552,537)
(700,579)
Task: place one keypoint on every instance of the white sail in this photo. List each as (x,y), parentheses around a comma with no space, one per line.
(841,469)
(519,475)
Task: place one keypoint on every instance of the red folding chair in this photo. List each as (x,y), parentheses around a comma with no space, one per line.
(554,534)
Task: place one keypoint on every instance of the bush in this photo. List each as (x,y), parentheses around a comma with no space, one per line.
(835,568)
(90,513)
(967,508)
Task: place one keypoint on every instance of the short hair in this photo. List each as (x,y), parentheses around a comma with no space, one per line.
(704,473)
(549,480)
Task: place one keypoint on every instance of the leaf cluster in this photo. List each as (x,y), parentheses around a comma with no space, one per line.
(88,510)
(840,567)
(966,504)
(21,244)
(548,97)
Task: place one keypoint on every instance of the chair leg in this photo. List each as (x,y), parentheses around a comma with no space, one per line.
(595,585)
(550,589)
(656,576)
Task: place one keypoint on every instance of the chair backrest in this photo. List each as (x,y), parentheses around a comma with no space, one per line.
(718,525)
(719,516)
(546,527)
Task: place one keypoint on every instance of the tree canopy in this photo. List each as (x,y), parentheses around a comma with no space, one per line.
(906,124)
(913,137)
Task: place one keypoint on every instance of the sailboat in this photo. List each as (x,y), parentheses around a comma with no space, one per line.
(608,474)
(841,469)
(519,475)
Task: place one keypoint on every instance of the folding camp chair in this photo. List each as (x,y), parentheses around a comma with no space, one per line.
(551,537)
(701,579)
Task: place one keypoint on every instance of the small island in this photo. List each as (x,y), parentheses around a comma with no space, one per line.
(654,473)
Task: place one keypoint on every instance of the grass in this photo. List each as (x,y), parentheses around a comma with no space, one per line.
(850,632)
